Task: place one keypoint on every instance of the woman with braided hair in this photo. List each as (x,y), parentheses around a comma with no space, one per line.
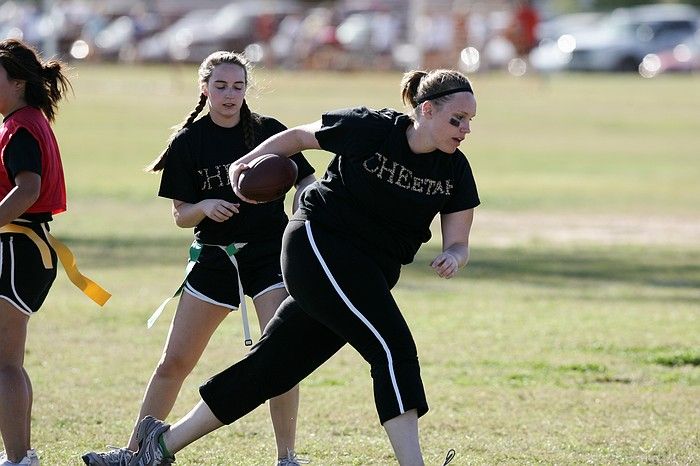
(239,244)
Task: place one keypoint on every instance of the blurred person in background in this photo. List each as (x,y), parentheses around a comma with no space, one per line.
(522,31)
(343,250)
(238,246)
(32,188)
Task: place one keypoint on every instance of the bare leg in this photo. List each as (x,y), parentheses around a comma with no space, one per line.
(30,402)
(15,392)
(283,408)
(195,425)
(403,435)
(193,325)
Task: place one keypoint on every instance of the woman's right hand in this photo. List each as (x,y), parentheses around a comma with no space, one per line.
(218,209)
(234,172)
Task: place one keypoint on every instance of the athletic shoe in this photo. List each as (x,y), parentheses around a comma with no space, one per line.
(450,456)
(114,457)
(292,460)
(26,461)
(148,435)
(32,455)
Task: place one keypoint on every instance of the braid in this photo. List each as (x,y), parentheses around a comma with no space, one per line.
(159,162)
(191,117)
(249,120)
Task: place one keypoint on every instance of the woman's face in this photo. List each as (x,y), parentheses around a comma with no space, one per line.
(451,122)
(226,91)
(10,92)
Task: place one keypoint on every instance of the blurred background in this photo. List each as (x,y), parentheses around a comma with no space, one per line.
(518,37)
(572,338)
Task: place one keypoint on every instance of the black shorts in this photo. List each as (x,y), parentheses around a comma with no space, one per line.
(214,279)
(24,279)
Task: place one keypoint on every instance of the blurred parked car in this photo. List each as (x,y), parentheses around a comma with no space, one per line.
(118,39)
(684,57)
(620,41)
(367,38)
(174,42)
(232,27)
(555,27)
(556,39)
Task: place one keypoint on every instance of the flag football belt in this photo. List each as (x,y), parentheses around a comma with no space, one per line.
(195,251)
(91,289)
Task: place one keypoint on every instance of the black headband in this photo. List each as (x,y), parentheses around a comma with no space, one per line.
(444,93)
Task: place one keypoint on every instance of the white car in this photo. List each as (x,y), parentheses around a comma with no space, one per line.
(621,40)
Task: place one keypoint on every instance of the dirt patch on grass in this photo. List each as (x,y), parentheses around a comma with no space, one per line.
(507,228)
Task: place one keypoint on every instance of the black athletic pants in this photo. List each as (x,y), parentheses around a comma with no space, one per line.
(338,295)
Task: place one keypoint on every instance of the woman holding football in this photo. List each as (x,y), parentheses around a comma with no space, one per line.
(237,245)
(342,253)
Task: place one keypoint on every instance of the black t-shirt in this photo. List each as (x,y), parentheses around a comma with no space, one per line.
(378,193)
(196,168)
(24,154)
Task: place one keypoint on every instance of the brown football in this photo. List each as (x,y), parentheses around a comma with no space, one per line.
(269,177)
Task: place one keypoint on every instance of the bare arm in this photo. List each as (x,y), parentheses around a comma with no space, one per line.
(21,197)
(286,143)
(189,215)
(455,243)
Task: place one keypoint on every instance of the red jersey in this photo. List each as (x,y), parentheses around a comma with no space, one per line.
(52,197)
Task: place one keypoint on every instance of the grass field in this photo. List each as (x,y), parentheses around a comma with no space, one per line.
(572,338)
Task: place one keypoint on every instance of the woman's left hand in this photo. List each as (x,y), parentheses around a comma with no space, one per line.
(234,172)
(445,265)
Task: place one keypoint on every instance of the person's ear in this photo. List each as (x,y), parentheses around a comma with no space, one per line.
(427,109)
(20,85)
(203,88)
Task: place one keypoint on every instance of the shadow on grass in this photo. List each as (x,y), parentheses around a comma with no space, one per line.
(538,265)
(684,358)
(125,250)
(551,265)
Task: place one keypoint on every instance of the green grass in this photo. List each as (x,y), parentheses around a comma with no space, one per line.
(572,337)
